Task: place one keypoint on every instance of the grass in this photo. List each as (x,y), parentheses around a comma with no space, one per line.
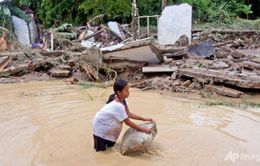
(236,24)
(244,104)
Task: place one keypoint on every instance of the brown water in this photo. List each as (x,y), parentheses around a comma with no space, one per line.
(49,123)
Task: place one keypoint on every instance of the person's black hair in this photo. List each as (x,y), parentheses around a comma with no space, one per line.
(119,85)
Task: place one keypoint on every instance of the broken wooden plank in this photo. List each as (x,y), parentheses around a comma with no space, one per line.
(251,52)
(227,31)
(251,65)
(59,73)
(147,53)
(24,68)
(92,35)
(11,53)
(186,83)
(124,46)
(64,67)
(171,49)
(222,77)
(234,53)
(90,72)
(178,54)
(13,70)
(225,91)
(159,69)
(55,53)
(5,62)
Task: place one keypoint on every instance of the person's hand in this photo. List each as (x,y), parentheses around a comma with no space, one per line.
(149,119)
(147,130)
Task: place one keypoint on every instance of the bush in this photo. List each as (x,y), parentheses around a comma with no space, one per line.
(112,9)
(60,11)
(218,10)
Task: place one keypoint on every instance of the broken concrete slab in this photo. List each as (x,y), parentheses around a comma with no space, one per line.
(225,91)
(113,26)
(159,69)
(21,31)
(89,44)
(89,32)
(204,49)
(175,21)
(221,77)
(131,44)
(147,54)
(112,48)
(138,52)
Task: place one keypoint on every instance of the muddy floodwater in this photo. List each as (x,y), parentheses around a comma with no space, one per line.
(49,123)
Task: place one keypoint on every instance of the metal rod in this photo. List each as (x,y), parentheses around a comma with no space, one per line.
(148,26)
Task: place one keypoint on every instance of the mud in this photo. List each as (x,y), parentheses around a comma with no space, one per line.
(49,123)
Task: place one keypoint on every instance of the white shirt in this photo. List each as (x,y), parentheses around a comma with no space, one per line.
(107,122)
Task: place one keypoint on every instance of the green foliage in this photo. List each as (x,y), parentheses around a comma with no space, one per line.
(218,10)
(56,12)
(25,2)
(5,20)
(152,7)
(112,9)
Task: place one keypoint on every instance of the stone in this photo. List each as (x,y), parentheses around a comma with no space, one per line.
(174,76)
(219,65)
(175,22)
(204,49)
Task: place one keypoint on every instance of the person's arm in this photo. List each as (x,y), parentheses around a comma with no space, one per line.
(128,122)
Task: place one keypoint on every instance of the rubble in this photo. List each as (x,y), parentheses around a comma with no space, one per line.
(177,62)
(222,77)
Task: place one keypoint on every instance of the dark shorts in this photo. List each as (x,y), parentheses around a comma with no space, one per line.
(101,144)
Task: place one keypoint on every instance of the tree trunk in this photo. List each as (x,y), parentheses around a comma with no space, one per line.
(164,4)
(135,15)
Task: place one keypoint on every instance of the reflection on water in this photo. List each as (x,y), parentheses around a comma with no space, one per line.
(49,123)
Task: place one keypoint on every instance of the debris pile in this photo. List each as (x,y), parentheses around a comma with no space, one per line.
(192,60)
(207,64)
